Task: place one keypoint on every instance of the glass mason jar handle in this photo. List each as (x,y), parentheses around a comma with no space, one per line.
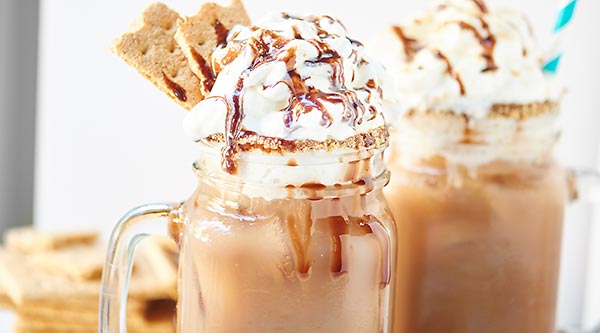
(584,184)
(119,260)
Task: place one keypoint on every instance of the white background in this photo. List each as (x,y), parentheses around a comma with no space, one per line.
(108,140)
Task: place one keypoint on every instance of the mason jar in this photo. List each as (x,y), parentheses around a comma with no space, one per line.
(479,209)
(298,242)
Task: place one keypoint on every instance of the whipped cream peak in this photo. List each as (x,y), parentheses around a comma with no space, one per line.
(291,78)
(465,57)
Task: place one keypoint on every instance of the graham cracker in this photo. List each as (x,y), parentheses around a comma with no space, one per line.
(33,326)
(139,313)
(28,240)
(26,283)
(510,111)
(150,48)
(76,262)
(5,301)
(200,34)
(373,138)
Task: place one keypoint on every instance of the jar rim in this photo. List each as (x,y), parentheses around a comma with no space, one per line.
(324,175)
(307,158)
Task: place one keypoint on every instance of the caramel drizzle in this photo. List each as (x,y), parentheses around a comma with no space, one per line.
(450,70)
(411,46)
(304,98)
(177,90)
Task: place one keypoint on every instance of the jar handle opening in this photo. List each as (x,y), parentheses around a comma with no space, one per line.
(133,227)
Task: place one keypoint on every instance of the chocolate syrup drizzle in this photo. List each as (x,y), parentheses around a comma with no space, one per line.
(482,7)
(221,33)
(270,47)
(177,90)
(208,77)
(411,45)
(450,70)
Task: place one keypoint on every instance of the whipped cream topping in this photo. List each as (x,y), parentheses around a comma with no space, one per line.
(464,57)
(292,78)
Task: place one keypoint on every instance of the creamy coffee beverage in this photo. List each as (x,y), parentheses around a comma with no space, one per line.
(477,198)
(479,233)
(288,230)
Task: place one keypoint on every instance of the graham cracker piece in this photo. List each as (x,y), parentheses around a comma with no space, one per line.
(23,325)
(5,301)
(28,240)
(150,48)
(198,36)
(373,138)
(76,262)
(506,111)
(139,313)
(26,283)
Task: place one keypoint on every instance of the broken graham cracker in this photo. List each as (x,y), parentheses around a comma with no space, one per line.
(32,326)
(28,240)
(27,284)
(198,36)
(139,314)
(5,302)
(150,47)
(79,262)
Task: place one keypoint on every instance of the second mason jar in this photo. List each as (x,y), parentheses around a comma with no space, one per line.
(479,210)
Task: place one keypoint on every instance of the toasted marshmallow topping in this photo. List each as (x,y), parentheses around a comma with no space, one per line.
(291,78)
(460,56)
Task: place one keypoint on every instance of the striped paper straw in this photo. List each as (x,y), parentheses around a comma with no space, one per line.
(565,15)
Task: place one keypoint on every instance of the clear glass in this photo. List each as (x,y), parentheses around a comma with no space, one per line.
(480,241)
(482,256)
(302,258)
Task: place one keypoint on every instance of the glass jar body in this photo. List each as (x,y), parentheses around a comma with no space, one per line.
(250,264)
(481,245)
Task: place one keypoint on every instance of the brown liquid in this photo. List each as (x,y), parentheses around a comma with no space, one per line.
(477,253)
(285,265)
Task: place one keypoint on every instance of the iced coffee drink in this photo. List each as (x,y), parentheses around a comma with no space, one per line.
(288,230)
(476,195)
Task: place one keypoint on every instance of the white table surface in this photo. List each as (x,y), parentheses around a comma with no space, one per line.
(6,319)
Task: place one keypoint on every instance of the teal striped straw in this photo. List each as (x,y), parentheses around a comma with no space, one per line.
(565,16)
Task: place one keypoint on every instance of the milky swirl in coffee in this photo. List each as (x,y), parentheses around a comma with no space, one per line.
(290,78)
(464,57)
